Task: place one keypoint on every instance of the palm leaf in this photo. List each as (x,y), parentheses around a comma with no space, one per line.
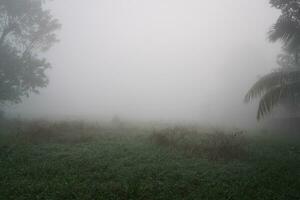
(287,30)
(269,100)
(275,95)
(271,80)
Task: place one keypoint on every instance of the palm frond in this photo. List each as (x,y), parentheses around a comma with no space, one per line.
(275,95)
(270,81)
(269,100)
(284,29)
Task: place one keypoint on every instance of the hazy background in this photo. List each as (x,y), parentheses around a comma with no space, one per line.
(171,60)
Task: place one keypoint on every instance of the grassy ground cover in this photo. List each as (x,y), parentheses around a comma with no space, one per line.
(78,161)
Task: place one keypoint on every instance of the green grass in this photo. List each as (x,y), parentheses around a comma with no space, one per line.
(125,163)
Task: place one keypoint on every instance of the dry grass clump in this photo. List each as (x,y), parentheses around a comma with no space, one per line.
(213,146)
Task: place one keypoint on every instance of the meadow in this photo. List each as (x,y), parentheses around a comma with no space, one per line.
(78,160)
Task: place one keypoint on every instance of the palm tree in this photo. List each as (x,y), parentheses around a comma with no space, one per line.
(284,83)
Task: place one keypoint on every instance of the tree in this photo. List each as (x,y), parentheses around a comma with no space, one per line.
(287,26)
(26,30)
(283,85)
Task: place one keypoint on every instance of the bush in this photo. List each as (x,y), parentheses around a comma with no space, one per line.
(213,146)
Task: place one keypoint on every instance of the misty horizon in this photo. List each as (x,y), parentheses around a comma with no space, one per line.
(159,60)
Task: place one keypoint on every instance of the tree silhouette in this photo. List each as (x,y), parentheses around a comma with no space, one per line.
(26,30)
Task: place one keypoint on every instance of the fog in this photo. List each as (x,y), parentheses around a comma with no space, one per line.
(162,60)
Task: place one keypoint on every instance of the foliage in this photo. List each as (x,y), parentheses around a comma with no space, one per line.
(283,85)
(128,166)
(213,146)
(287,27)
(26,29)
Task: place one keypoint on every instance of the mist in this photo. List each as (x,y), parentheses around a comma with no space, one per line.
(149,99)
(162,60)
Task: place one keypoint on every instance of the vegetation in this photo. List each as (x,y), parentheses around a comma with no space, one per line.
(106,162)
(213,146)
(26,29)
(287,27)
(283,85)
(78,160)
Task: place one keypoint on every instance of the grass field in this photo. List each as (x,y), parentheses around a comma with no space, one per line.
(44,160)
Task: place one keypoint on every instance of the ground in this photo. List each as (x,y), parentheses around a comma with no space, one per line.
(126,163)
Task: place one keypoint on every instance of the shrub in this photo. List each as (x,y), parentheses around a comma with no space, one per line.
(213,146)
